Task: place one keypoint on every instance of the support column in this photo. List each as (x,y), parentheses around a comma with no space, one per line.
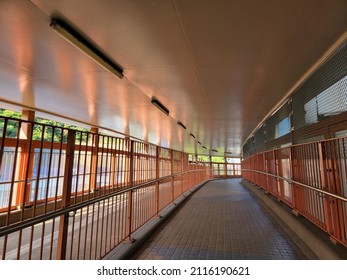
(24,170)
(157,174)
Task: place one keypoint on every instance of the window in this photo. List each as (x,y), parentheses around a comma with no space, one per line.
(283,127)
(331,101)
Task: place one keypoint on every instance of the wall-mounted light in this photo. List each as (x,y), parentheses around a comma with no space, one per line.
(204,147)
(228,153)
(192,135)
(181,125)
(84,45)
(214,150)
(160,106)
(199,142)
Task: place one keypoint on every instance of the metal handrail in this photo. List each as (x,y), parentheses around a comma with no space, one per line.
(291,181)
(65,211)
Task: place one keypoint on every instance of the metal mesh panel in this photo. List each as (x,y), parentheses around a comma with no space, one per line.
(248,148)
(260,139)
(319,103)
(324,94)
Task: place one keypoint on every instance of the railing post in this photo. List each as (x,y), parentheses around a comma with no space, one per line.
(94,160)
(66,195)
(183,176)
(327,213)
(130,193)
(157,174)
(172,177)
(293,188)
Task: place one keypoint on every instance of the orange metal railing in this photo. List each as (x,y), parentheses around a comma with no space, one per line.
(68,194)
(311,178)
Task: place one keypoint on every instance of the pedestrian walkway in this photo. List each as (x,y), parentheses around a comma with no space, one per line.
(222,220)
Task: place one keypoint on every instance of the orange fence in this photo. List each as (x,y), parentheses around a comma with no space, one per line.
(311,178)
(71,194)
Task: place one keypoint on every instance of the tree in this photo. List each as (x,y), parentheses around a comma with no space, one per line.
(43,129)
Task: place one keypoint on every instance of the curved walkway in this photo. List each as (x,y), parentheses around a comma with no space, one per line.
(222,220)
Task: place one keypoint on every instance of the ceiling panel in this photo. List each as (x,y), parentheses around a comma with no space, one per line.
(219,66)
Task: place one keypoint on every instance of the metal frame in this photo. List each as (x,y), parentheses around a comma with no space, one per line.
(78,194)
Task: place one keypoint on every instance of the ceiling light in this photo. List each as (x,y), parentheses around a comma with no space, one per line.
(160,106)
(181,125)
(76,39)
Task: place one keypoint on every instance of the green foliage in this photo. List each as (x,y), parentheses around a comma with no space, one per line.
(43,129)
(218,159)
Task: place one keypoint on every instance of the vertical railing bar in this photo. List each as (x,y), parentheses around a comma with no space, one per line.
(66,196)
(79,234)
(47,192)
(56,191)
(38,172)
(172,178)
(37,186)
(110,184)
(103,202)
(4,131)
(99,204)
(113,164)
(118,213)
(49,170)
(313,181)
(72,235)
(305,170)
(118,154)
(336,188)
(102,157)
(75,199)
(78,168)
(91,232)
(157,174)
(344,206)
(7,222)
(85,160)
(130,193)
(324,182)
(339,189)
(94,165)
(320,170)
(86,233)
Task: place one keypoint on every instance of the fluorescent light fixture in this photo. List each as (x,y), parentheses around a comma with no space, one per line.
(160,106)
(181,125)
(192,135)
(76,39)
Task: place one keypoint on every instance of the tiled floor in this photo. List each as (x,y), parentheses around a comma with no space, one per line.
(221,221)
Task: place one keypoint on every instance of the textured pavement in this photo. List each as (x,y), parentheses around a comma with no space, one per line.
(222,220)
